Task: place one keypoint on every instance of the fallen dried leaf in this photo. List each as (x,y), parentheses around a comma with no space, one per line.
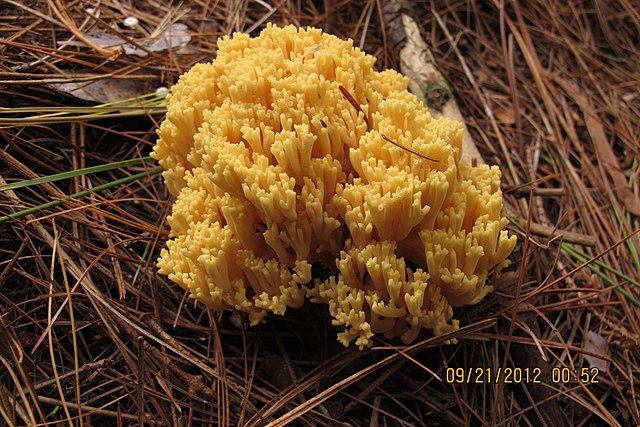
(174,37)
(275,371)
(104,91)
(505,115)
(604,153)
(597,344)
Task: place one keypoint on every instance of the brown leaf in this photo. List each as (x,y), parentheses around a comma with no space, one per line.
(276,372)
(597,344)
(505,115)
(606,157)
(105,90)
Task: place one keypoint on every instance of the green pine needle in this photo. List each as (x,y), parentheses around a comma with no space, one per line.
(83,193)
(583,257)
(73,173)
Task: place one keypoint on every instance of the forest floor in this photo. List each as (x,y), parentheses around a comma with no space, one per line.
(91,334)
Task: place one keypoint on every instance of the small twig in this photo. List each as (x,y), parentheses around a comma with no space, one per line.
(543,230)
(524,190)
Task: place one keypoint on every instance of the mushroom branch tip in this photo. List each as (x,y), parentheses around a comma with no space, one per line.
(289,154)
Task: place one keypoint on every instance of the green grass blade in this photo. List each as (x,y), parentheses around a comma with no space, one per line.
(582,257)
(71,174)
(632,248)
(83,193)
(149,103)
(630,245)
(53,118)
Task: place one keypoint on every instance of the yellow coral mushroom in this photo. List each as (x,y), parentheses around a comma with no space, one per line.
(289,150)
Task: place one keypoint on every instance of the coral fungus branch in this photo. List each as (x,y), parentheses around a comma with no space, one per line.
(274,176)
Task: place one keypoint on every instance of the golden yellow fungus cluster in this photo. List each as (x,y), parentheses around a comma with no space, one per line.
(289,152)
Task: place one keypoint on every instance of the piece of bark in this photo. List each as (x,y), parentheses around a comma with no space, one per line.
(426,82)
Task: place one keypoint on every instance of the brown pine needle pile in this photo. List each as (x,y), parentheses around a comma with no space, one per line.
(90,334)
